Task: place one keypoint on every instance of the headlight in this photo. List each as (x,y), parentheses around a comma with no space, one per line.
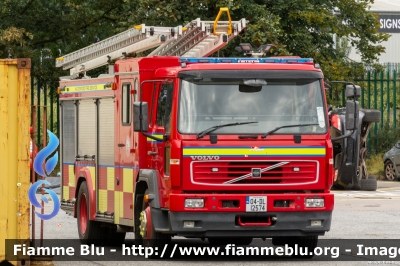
(315,203)
(194,203)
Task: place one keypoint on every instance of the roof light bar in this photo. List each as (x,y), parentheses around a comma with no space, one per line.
(247,60)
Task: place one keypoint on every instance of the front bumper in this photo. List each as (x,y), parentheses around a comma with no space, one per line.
(225,224)
(217,220)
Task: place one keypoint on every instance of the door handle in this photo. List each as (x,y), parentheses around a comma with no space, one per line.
(152,153)
(121,145)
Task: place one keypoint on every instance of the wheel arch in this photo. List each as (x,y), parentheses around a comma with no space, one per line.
(148,178)
(85,176)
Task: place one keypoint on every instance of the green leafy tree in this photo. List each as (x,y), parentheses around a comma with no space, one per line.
(44,30)
(298,27)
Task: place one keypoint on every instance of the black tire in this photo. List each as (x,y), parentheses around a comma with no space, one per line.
(372,177)
(371,115)
(369,184)
(304,242)
(222,241)
(390,172)
(93,233)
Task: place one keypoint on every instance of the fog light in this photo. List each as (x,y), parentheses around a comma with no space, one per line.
(316,223)
(315,203)
(188,223)
(194,203)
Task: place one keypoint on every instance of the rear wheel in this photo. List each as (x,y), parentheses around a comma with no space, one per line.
(390,172)
(90,232)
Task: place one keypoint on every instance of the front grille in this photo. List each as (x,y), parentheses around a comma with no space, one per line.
(218,172)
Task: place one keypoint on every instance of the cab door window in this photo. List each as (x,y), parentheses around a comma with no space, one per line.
(164,106)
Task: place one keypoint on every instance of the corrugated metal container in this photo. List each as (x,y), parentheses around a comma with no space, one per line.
(14,151)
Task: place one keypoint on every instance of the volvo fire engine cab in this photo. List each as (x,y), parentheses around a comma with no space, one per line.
(181,144)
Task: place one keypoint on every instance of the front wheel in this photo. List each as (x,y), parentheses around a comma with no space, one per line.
(148,236)
(90,232)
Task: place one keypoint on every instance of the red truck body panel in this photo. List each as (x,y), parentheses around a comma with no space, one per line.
(196,168)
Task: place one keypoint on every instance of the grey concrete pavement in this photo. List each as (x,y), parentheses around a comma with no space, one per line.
(357,215)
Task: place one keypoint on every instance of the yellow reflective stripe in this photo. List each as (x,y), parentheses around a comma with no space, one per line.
(110,178)
(248,151)
(92,171)
(66,193)
(155,135)
(71,176)
(102,200)
(93,87)
(118,210)
(128,180)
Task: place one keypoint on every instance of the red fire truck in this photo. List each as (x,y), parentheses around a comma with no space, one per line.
(228,149)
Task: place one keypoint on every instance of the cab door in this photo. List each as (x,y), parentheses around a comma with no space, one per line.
(161,149)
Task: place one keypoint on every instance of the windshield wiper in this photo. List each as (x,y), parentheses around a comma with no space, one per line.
(277,128)
(212,129)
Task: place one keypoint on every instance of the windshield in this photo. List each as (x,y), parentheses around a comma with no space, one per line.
(208,102)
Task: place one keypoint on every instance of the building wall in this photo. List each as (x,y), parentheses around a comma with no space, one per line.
(392,53)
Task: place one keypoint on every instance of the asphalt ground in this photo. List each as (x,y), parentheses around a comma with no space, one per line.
(368,215)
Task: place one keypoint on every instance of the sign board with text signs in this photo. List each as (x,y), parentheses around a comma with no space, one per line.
(389,23)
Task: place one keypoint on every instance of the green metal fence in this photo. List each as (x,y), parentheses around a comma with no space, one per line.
(380,91)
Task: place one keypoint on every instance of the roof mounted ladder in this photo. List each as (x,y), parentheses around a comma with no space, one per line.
(202,38)
(134,40)
(197,39)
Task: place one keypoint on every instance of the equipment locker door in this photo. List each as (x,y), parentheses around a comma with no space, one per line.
(125,164)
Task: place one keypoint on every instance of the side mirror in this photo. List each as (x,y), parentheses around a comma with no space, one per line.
(140,118)
(351,116)
(353,91)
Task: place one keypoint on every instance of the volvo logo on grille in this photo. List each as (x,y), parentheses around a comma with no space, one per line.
(204,158)
(255,172)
